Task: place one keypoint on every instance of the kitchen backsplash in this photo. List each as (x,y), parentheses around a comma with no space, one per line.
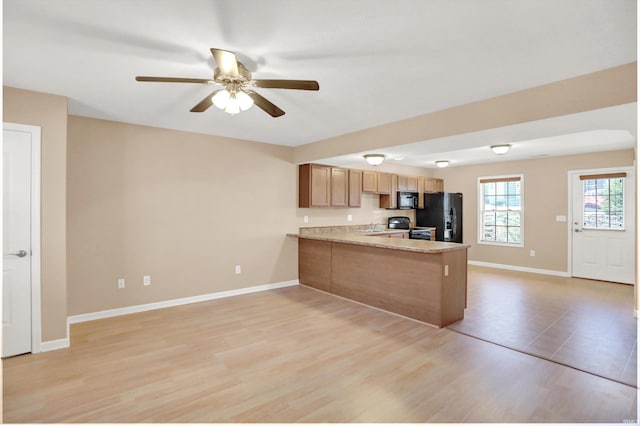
(369,213)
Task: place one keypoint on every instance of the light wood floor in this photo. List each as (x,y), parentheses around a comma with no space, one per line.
(582,323)
(295,355)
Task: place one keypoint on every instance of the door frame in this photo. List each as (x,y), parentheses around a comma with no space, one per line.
(570,175)
(35,131)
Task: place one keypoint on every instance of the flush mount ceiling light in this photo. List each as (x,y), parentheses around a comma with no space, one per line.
(442,163)
(500,149)
(374,159)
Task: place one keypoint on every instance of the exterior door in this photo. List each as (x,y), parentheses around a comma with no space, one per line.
(17,267)
(603,225)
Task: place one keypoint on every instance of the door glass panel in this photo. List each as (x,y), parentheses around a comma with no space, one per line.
(603,203)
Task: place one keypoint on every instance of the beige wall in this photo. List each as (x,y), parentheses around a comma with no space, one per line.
(545,197)
(50,113)
(184,208)
(123,201)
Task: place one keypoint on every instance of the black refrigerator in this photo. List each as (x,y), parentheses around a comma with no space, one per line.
(442,210)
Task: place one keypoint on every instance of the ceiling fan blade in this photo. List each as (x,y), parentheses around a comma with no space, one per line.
(264,104)
(205,103)
(175,80)
(287,84)
(227,62)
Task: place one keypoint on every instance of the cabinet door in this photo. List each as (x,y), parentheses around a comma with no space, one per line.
(393,192)
(438,185)
(421,192)
(355,187)
(320,185)
(314,185)
(369,181)
(429,185)
(384,183)
(411,184)
(339,187)
(402,183)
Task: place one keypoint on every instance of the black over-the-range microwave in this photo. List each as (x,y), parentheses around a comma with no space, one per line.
(407,200)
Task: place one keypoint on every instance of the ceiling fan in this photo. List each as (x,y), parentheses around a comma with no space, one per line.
(236,79)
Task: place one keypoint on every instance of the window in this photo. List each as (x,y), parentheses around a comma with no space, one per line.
(603,201)
(500,208)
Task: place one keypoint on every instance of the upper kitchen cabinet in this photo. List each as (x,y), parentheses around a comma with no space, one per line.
(384,183)
(339,187)
(390,201)
(369,181)
(376,182)
(314,185)
(355,187)
(408,183)
(322,186)
(433,185)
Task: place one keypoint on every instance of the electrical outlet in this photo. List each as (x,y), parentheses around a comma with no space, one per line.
(349,217)
(305,219)
(146,280)
(238,269)
(532,253)
(120,282)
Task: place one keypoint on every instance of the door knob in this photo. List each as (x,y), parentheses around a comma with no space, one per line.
(21,253)
(578,230)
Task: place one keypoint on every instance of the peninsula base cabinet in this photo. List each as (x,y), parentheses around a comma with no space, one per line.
(429,287)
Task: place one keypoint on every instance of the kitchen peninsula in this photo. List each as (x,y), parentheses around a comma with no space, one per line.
(419,279)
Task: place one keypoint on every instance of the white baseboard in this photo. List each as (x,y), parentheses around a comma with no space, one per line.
(53,345)
(519,268)
(74,319)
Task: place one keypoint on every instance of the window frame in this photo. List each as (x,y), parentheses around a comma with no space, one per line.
(480,216)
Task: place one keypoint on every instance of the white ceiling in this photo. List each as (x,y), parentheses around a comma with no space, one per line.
(377,61)
(606,129)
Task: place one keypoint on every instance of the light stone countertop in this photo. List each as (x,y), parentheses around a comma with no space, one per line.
(379,239)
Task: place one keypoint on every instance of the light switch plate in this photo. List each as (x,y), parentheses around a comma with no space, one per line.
(146,280)
(561,218)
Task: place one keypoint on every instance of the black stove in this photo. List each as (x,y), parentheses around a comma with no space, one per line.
(398,222)
(420,234)
(403,222)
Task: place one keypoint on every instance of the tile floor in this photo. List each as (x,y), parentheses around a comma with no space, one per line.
(588,325)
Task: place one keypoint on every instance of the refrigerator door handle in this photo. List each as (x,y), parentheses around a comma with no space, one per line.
(454,230)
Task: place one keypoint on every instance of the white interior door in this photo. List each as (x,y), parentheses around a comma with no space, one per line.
(603,225)
(16,244)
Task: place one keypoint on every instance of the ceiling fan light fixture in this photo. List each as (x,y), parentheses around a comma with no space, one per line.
(374,159)
(442,163)
(233,105)
(500,149)
(221,98)
(244,100)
